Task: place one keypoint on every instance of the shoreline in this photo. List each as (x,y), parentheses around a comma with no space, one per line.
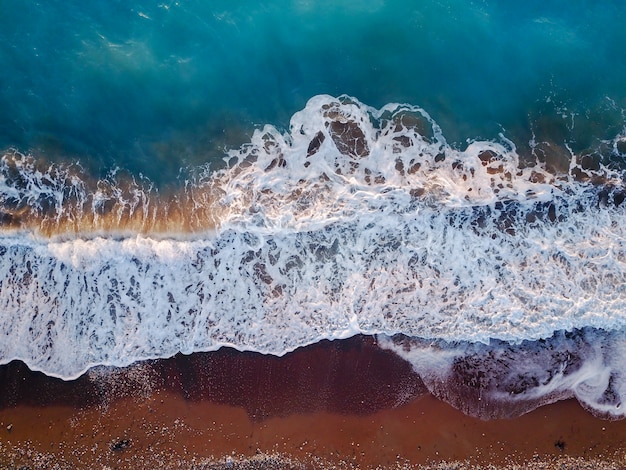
(343,404)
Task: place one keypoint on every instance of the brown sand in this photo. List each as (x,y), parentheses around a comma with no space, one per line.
(344,404)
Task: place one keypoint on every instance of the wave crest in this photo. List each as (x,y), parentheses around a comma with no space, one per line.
(357,220)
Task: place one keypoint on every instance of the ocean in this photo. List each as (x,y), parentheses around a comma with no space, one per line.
(180,176)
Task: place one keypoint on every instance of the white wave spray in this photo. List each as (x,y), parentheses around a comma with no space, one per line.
(355,221)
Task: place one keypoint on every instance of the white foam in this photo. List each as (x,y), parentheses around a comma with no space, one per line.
(503,380)
(355,221)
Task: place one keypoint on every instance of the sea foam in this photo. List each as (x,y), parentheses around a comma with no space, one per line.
(354,220)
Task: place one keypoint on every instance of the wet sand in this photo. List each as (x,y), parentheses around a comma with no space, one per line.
(342,404)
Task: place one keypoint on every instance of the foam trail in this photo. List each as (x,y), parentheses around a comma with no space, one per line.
(62,201)
(501,379)
(357,220)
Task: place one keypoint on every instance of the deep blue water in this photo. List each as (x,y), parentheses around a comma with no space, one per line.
(153,86)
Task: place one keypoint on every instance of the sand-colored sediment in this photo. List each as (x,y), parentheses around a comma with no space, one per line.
(165,414)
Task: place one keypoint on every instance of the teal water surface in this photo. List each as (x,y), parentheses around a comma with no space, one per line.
(153,86)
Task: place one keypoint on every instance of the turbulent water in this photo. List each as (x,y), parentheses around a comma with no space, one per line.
(145,210)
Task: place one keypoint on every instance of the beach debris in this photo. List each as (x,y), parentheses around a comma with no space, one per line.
(120,445)
(560,444)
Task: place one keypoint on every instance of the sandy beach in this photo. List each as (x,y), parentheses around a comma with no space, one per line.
(341,404)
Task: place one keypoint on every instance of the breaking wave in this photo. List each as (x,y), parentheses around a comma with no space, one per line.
(355,220)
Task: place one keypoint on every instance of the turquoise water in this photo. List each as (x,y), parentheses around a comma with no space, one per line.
(153,86)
